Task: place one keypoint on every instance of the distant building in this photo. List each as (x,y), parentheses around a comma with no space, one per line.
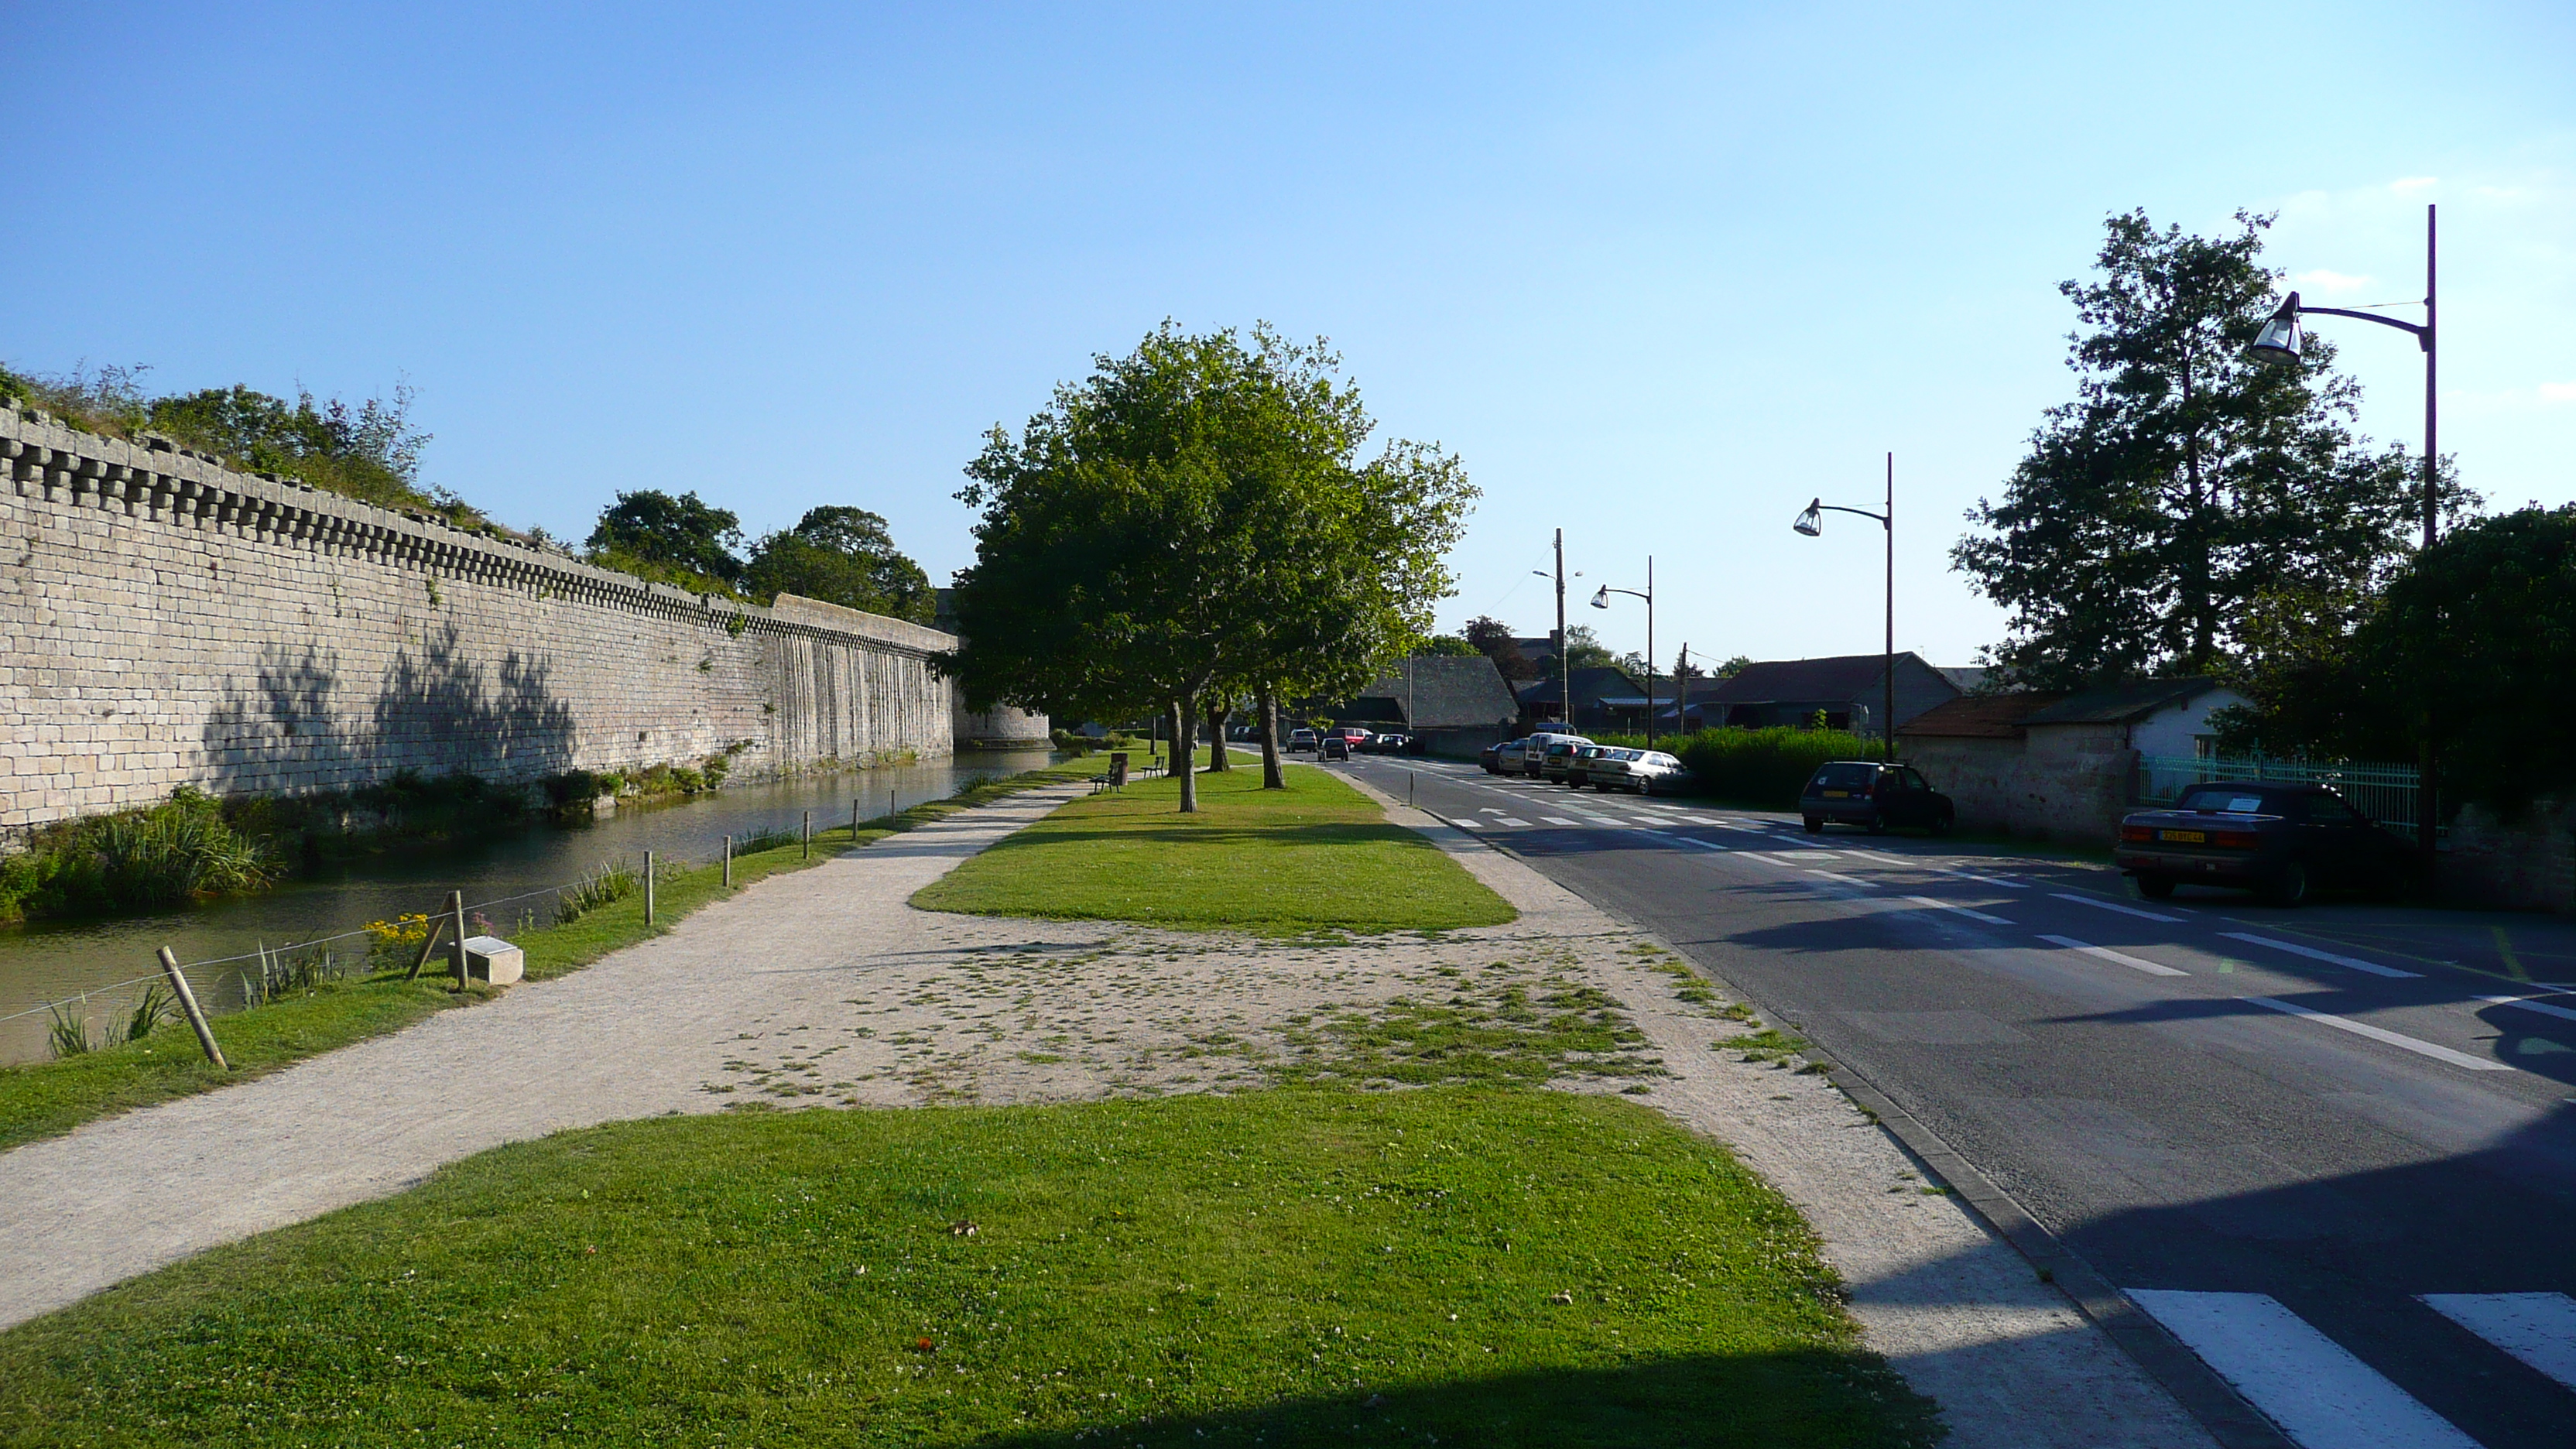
(1456,704)
(1543,699)
(2060,766)
(1849,690)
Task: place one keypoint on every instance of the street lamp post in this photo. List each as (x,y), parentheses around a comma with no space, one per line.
(1601,600)
(2279,342)
(1812,524)
(1564,671)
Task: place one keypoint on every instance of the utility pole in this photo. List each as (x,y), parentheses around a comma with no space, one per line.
(1564,670)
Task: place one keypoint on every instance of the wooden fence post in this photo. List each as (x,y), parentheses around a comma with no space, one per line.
(809,835)
(648,888)
(728,879)
(854,822)
(196,1017)
(456,918)
(437,927)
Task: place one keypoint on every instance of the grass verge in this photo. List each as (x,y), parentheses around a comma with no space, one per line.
(1280,1268)
(1315,856)
(44,1099)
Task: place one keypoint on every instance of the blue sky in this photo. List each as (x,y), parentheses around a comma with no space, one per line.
(1660,273)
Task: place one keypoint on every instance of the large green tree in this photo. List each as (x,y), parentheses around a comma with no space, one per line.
(2189,509)
(685,540)
(1196,517)
(2483,626)
(841,556)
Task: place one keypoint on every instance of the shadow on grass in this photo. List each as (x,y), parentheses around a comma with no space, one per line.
(1267,836)
(1649,1403)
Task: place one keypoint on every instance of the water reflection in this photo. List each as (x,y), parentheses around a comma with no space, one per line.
(56,960)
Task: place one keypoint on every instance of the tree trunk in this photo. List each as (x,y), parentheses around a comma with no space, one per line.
(1185,753)
(1216,737)
(2199,587)
(1271,778)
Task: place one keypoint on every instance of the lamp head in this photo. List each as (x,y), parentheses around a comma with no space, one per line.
(1812,522)
(2279,341)
(1601,600)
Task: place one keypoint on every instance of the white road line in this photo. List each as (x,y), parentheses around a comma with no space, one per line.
(2113,906)
(1507,820)
(2141,963)
(1962,910)
(2310,1385)
(2358,1028)
(2538,1328)
(1558,820)
(2313,954)
(1829,875)
(1881,859)
(2010,885)
(2527,1004)
(1706,845)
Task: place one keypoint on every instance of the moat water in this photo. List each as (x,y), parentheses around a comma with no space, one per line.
(59,961)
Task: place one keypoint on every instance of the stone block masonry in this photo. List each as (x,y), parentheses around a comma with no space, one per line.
(165,621)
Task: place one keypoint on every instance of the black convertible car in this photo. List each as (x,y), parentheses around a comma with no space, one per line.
(2277,840)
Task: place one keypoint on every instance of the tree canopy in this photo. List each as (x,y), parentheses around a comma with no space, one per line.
(1196,516)
(841,556)
(2189,509)
(2484,628)
(685,540)
(1446,645)
(1494,639)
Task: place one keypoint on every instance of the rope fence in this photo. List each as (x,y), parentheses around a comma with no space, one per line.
(771,838)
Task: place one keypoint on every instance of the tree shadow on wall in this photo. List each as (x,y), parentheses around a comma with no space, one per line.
(436,712)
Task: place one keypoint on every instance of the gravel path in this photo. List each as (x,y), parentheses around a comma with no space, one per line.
(823,987)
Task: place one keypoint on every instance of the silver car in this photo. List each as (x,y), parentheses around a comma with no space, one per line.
(1648,772)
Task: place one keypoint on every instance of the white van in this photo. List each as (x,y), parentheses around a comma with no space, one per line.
(1534,752)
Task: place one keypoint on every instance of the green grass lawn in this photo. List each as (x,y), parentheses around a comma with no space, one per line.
(1315,856)
(1290,1267)
(43,1099)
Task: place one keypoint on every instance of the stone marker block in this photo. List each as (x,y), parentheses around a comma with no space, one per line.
(489,958)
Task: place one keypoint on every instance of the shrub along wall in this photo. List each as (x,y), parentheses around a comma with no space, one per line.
(1764,768)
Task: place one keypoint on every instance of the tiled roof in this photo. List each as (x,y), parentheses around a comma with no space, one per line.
(1439,692)
(1843,676)
(2123,703)
(1978,716)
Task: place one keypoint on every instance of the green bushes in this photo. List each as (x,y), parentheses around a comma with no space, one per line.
(160,855)
(1763,768)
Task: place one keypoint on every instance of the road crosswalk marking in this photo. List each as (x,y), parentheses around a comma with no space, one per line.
(2139,963)
(2313,1387)
(1962,910)
(2102,905)
(2363,1028)
(2312,953)
(2538,1328)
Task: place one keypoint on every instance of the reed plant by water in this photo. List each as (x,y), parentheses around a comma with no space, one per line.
(614,880)
(156,856)
(760,840)
(290,969)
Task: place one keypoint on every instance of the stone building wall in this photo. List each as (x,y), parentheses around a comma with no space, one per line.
(165,621)
(2065,782)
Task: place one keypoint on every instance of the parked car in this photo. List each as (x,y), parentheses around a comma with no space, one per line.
(1337,746)
(1560,752)
(1488,759)
(1648,772)
(2277,840)
(1392,742)
(1352,736)
(1301,739)
(1578,766)
(1508,756)
(1875,797)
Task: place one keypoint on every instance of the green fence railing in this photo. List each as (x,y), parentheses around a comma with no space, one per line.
(2385,793)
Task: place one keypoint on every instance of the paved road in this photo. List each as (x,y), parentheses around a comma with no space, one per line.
(2332,1149)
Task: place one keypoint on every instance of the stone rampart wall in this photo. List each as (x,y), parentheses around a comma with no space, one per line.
(165,621)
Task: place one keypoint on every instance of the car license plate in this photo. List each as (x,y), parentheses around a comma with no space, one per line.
(2184,837)
(1837,794)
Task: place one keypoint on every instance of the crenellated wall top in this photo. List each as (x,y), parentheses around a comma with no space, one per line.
(152,477)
